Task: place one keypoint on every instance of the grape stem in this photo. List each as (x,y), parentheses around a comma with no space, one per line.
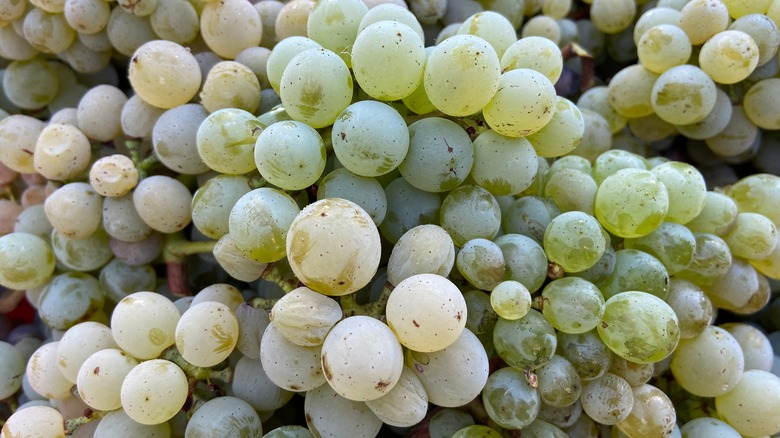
(195,372)
(375,308)
(142,165)
(175,253)
(90,415)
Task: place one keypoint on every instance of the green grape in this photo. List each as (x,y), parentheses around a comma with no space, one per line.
(334,24)
(481,262)
(701,19)
(480,313)
(118,279)
(509,399)
(537,185)
(559,384)
(290,155)
(529,216)
(230,84)
(525,260)
(717,215)
(636,374)
(562,133)
(597,137)
(751,406)
(85,254)
(571,190)
(388,71)
(470,212)
(462,75)
(736,288)
(636,270)
(570,162)
(69,299)
(660,14)
(597,99)
(608,399)
(612,16)
(510,300)
(662,47)
(542,429)
(316,259)
(759,105)
(709,364)
(426,166)
(603,268)
(711,260)
(609,162)
(408,207)
(283,52)
(390,12)
(259,223)
(226,140)
(769,266)
(686,188)
(653,413)
(503,165)
(476,431)
(493,27)
(448,421)
(737,138)
(364,191)
(683,95)
(729,57)
(713,123)
(708,427)
(225,416)
(289,432)
(671,243)
(759,193)
(630,90)
(586,352)
(213,201)
(13,366)
(525,343)
(316,87)
(572,305)
(631,203)
(534,52)
(26,261)
(575,241)
(752,236)
(425,249)
(370,138)
(21,77)
(524,103)
(755,345)
(639,327)
(691,305)
(542,26)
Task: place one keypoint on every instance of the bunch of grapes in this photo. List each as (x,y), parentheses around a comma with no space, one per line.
(359,218)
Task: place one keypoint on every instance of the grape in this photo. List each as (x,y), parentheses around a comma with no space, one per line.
(710,364)
(752,236)
(174,138)
(163,203)
(481,262)
(639,327)
(290,431)
(612,16)
(480,316)
(448,421)
(544,27)
(717,215)
(164,74)
(370,138)
(121,220)
(290,155)
(631,202)
(555,419)
(221,293)
(755,345)
(153,391)
(391,12)
(13,366)
(277,352)
(608,399)
(213,201)
(562,133)
(611,161)
(74,222)
(35,421)
(464,361)
(470,212)
(100,376)
(175,20)
(571,190)
(405,405)
(749,407)
(597,137)
(510,300)
(525,343)
(425,166)
(80,342)
(26,261)
(21,77)
(476,431)
(729,56)
(672,244)
(226,140)
(757,193)
(758,107)
(334,24)
(259,223)
(510,400)
(575,241)
(559,385)
(427,312)
(736,288)
(318,262)
(281,55)
(708,427)
(225,416)
(388,71)
(630,90)
(683,94)
(662,47)
(118,424)
(691,305)
(711,261)
(305,317)
(519,110)
(529,216)
(230,84)
(597,99)
(206,333)
(701,19)
(425,249)
(113,176)
(365,191)
(636,270)
(70,298)
(85,254)
(44,375)
(737,138)
(144,324)
(525,260)
(503,165)
(229,27)
(572,305)
(251,384)
(465,66)
(234,262)
(329,414)
(61,152)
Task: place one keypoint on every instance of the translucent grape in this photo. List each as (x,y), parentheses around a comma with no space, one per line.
(448,421)
(212,203)
(752,236)
(470,212)
(35,421)
(283,52)
(304,317)
(510,300)
(334,24)
(758,104)
(559,385)
(612,16)
(683,94)
(206,333)
(709,364)
(525,260)
(597,99)
(290,155)
(480,316)
(230,84)
(519,110)
(224,416)
(575,241)
(154,391)
(259,223)
(758,194)
(277,352)
(61,152)
(631,203)
(717,215)
(144,324)
(636,270)
(630,90)
(572,305)
(164,74)
(503,165)
(113,176)
(510,400)
(423,249)
(671,243)
(99,379)
(749,407)
(529,216)
(755,345)
(608,399)
(528,342)
(571,190)
(26,261)
(597,137)
(481,262)
(586,352)
(711,260)
(493,27)
(476,431)
(691,305)
(662,47)
(729,57)
(226,141)
(613,160)
(562,133)
(735,288)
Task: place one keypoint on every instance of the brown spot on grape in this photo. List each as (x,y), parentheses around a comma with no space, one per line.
(415,323)
(326,367)
(381,385)
(96,371)
(459,316)
(604,325)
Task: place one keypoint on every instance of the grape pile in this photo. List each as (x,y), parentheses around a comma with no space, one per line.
(359,218)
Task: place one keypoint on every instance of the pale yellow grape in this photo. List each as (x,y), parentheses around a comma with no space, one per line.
(491,26)
(752,236)
(206,333)
(653,17)
(405,405)
(686,187)
(99,379)
(701,19)
(61,152)
(503,165)
(315,87)
(230,84)
(164,74)
(631,202)
(34,422)
(740,8)
(425,248)
(648,129)
(230,26)
(462,75)
(10,11)
(144,324)
(544,27)
(226,141)
(662,47)
(281,55)
(114,175)
(428,11)
(78,343)
(163,203)
(737,137)
(99,112)
(597,137)
(764,32)
(175,20)
(154,391)
(683,94)
(562,133)
(427,312)
(709,364)
(761,103)
(713,123)
(292,19)
(30,84)
(48,32)
(597,99)
(534,52)
(74,210)
(269,11)
(334,24)
(653,414)
(557,9)
(127,32)
(138,117)
(19,134)
(44,375)
(14,45)
(222,293)
(729,57)
(630,90)
(612,16)
(448,31)
(304,316)
(388,59)
(510,300)
(751,408)
(524,103)
(393,12)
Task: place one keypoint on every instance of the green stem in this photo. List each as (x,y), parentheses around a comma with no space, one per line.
(73,424)
(195,372)
(281,274)
(175,253)
(375,308)
(263,303)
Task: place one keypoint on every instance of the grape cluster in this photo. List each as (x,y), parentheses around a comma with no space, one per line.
(440,218)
